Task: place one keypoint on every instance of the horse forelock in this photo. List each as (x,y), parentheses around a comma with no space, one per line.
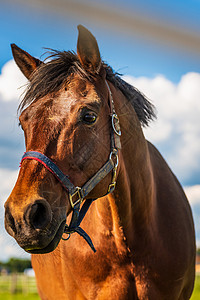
(51,75)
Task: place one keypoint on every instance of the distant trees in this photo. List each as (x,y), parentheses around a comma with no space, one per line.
(16,265)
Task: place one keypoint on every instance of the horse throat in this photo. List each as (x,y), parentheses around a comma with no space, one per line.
(128,211)
(133,201)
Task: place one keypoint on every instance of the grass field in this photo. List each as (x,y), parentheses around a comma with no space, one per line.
(18,296)
(31,294)
(196,293)
(18,287)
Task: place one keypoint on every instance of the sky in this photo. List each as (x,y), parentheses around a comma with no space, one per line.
(168,76)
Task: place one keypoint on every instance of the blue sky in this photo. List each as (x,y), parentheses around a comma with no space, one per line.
(168,76)
(178,11)
(33,29)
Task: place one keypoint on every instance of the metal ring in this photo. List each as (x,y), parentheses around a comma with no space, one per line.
(114,152)
(118,132)
(65,239)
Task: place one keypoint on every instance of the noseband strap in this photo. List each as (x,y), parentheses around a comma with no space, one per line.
(78,194)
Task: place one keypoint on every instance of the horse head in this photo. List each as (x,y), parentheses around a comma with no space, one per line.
(65,115)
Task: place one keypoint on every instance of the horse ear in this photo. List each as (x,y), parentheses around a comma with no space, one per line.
(27,63)
(88,50)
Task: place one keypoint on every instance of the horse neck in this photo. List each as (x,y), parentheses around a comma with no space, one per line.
(131,205)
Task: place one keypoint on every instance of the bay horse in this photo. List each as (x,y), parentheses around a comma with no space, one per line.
(86,153)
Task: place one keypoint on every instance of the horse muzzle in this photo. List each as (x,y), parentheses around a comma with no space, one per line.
(35,229)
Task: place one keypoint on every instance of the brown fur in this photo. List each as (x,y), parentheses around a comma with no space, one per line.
(143,231)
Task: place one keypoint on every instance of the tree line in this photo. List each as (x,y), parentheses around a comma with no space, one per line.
(15,265)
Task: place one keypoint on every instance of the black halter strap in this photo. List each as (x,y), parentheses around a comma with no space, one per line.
(78,194)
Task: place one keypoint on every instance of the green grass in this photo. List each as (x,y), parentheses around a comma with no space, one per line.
(196,293)
(18,296)
(23,287)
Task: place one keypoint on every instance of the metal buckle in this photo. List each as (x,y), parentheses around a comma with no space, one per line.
(115,124)
(80,197)
(112,185)
(114,153)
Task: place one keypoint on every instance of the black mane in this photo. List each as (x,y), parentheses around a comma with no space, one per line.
(51,75)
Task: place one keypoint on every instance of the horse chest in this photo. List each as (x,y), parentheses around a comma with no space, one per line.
(69,275)
(84,276)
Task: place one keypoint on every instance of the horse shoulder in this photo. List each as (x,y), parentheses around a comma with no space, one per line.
(174,244)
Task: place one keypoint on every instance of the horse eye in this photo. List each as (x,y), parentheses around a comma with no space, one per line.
(89,118)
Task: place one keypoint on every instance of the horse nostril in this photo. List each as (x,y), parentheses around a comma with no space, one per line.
(39,214)
(10,222)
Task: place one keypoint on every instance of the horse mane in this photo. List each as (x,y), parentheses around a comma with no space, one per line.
(144,109)
(51,75)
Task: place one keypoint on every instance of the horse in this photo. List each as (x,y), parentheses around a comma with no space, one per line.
(88,163)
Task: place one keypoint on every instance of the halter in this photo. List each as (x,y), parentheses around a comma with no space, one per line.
(78,194)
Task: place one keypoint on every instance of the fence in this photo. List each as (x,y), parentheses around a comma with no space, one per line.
(18,283)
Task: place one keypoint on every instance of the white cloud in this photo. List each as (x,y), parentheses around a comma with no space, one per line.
(11,147)
(8,245)
(177,129)
(11,137)
(193,194)
(7,179)
(11,79)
